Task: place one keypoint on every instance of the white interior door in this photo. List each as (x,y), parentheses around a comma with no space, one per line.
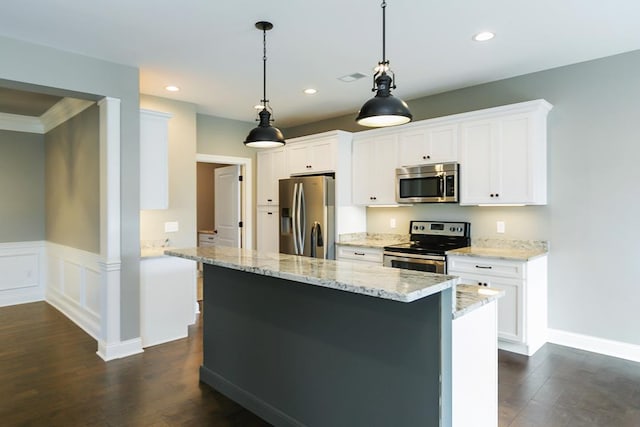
(227,206)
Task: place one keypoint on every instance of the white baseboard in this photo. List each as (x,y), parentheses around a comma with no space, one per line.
(594,344)
(83,319)
(119,350)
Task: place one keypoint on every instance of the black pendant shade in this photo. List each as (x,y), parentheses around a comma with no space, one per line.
(264,135)
(383,109)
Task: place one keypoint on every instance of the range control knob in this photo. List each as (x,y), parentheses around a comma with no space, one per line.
(452,229)
(422,227)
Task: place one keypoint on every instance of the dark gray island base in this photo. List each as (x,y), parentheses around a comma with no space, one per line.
(302,355)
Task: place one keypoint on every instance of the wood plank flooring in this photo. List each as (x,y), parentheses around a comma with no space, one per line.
(50,375)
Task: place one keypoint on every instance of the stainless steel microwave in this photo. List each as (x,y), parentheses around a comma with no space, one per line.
(432,183)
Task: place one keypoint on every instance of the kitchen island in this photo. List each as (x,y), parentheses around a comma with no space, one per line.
(302,341)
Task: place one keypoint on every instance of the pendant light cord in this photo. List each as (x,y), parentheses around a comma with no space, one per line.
(264,67)
(384,7)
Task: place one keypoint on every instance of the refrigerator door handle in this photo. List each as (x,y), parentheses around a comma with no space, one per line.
(294,231)
(302,217)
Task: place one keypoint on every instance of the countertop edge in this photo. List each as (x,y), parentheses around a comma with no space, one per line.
(470,298)
(408,297)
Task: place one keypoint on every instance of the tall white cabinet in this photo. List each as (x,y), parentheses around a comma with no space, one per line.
(154,159)
(374,162)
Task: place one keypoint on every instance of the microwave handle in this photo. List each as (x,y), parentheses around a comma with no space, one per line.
(442,186)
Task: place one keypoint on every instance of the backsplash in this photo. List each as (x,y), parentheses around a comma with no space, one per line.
(528,245)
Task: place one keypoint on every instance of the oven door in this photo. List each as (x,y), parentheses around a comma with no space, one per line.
(428,263)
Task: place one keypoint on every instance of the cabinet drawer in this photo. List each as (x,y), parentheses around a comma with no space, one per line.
(205,239)
(486,266)
(364,254)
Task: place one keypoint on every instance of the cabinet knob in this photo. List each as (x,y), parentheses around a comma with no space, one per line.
(491,195)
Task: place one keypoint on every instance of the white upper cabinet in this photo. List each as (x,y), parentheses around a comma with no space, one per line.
(154,160)
(313,156)
(374,169)
(428,144)
(503,156)
(271,168)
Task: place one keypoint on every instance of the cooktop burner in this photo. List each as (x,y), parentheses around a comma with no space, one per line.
(434,237)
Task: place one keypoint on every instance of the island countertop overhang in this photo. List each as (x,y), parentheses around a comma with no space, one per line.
(376,281)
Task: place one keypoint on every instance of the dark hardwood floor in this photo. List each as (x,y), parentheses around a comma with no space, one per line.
(50,375)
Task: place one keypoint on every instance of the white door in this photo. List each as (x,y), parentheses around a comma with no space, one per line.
(227,206)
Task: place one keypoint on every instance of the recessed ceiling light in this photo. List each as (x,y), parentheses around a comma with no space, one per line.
(483,36)
(310,91)
(172,88)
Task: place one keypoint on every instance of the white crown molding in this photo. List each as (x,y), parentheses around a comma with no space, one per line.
(18,123)
(62,111)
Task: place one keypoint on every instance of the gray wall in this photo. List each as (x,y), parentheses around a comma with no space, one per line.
(224,137)
(21,186)
(72,182)
(593,203)
(182,176)
(43,69)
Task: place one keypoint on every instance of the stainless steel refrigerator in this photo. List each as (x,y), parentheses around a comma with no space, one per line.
(307,216)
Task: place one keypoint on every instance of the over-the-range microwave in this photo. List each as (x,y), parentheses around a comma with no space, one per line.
(430,183)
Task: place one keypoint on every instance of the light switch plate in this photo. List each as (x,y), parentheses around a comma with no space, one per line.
(171,227)
(500,227)
(392,223)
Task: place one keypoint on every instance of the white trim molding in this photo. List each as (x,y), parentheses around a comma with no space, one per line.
(59,113)
(18,123)
(247,191)
(73,285)
(594,344)
(22,272)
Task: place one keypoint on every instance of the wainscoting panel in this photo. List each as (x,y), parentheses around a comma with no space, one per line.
(21,272)
(73,285)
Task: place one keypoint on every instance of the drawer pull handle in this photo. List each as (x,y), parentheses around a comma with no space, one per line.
(488,267)
(359,253)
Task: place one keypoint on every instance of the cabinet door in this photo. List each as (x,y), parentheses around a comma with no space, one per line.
(271,167)
(514,181)
(298,158)
(267,226)
(510,310)
(374,161)
(323,156)
(312,157)
(154,160)
(430,144)
(477,162)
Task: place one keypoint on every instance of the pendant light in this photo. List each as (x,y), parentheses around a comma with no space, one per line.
(383,109)
(265,135)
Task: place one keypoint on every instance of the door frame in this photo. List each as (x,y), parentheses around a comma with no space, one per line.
(246,170)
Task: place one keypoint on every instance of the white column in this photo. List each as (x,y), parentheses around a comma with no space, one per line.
(109,345)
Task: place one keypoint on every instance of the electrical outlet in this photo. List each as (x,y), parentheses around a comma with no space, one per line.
(500,227)
(171,227)
(392,223)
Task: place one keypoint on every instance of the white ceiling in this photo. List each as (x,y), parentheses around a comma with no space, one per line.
(212,50)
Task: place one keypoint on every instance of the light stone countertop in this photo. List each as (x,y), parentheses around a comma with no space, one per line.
(470,297)
(371,240)
(157,252)
(510,254)
(376,281)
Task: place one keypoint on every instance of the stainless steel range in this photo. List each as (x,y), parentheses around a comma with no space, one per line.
(429,242)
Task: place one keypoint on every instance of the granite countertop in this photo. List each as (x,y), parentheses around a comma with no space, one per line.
(376,281)
(371,240)
(157,252)
(470,297)
(511,254)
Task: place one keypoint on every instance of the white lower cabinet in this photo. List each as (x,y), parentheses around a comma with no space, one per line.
(167,299)
(522,312)
(268,233)
(474,368)
(361,254)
